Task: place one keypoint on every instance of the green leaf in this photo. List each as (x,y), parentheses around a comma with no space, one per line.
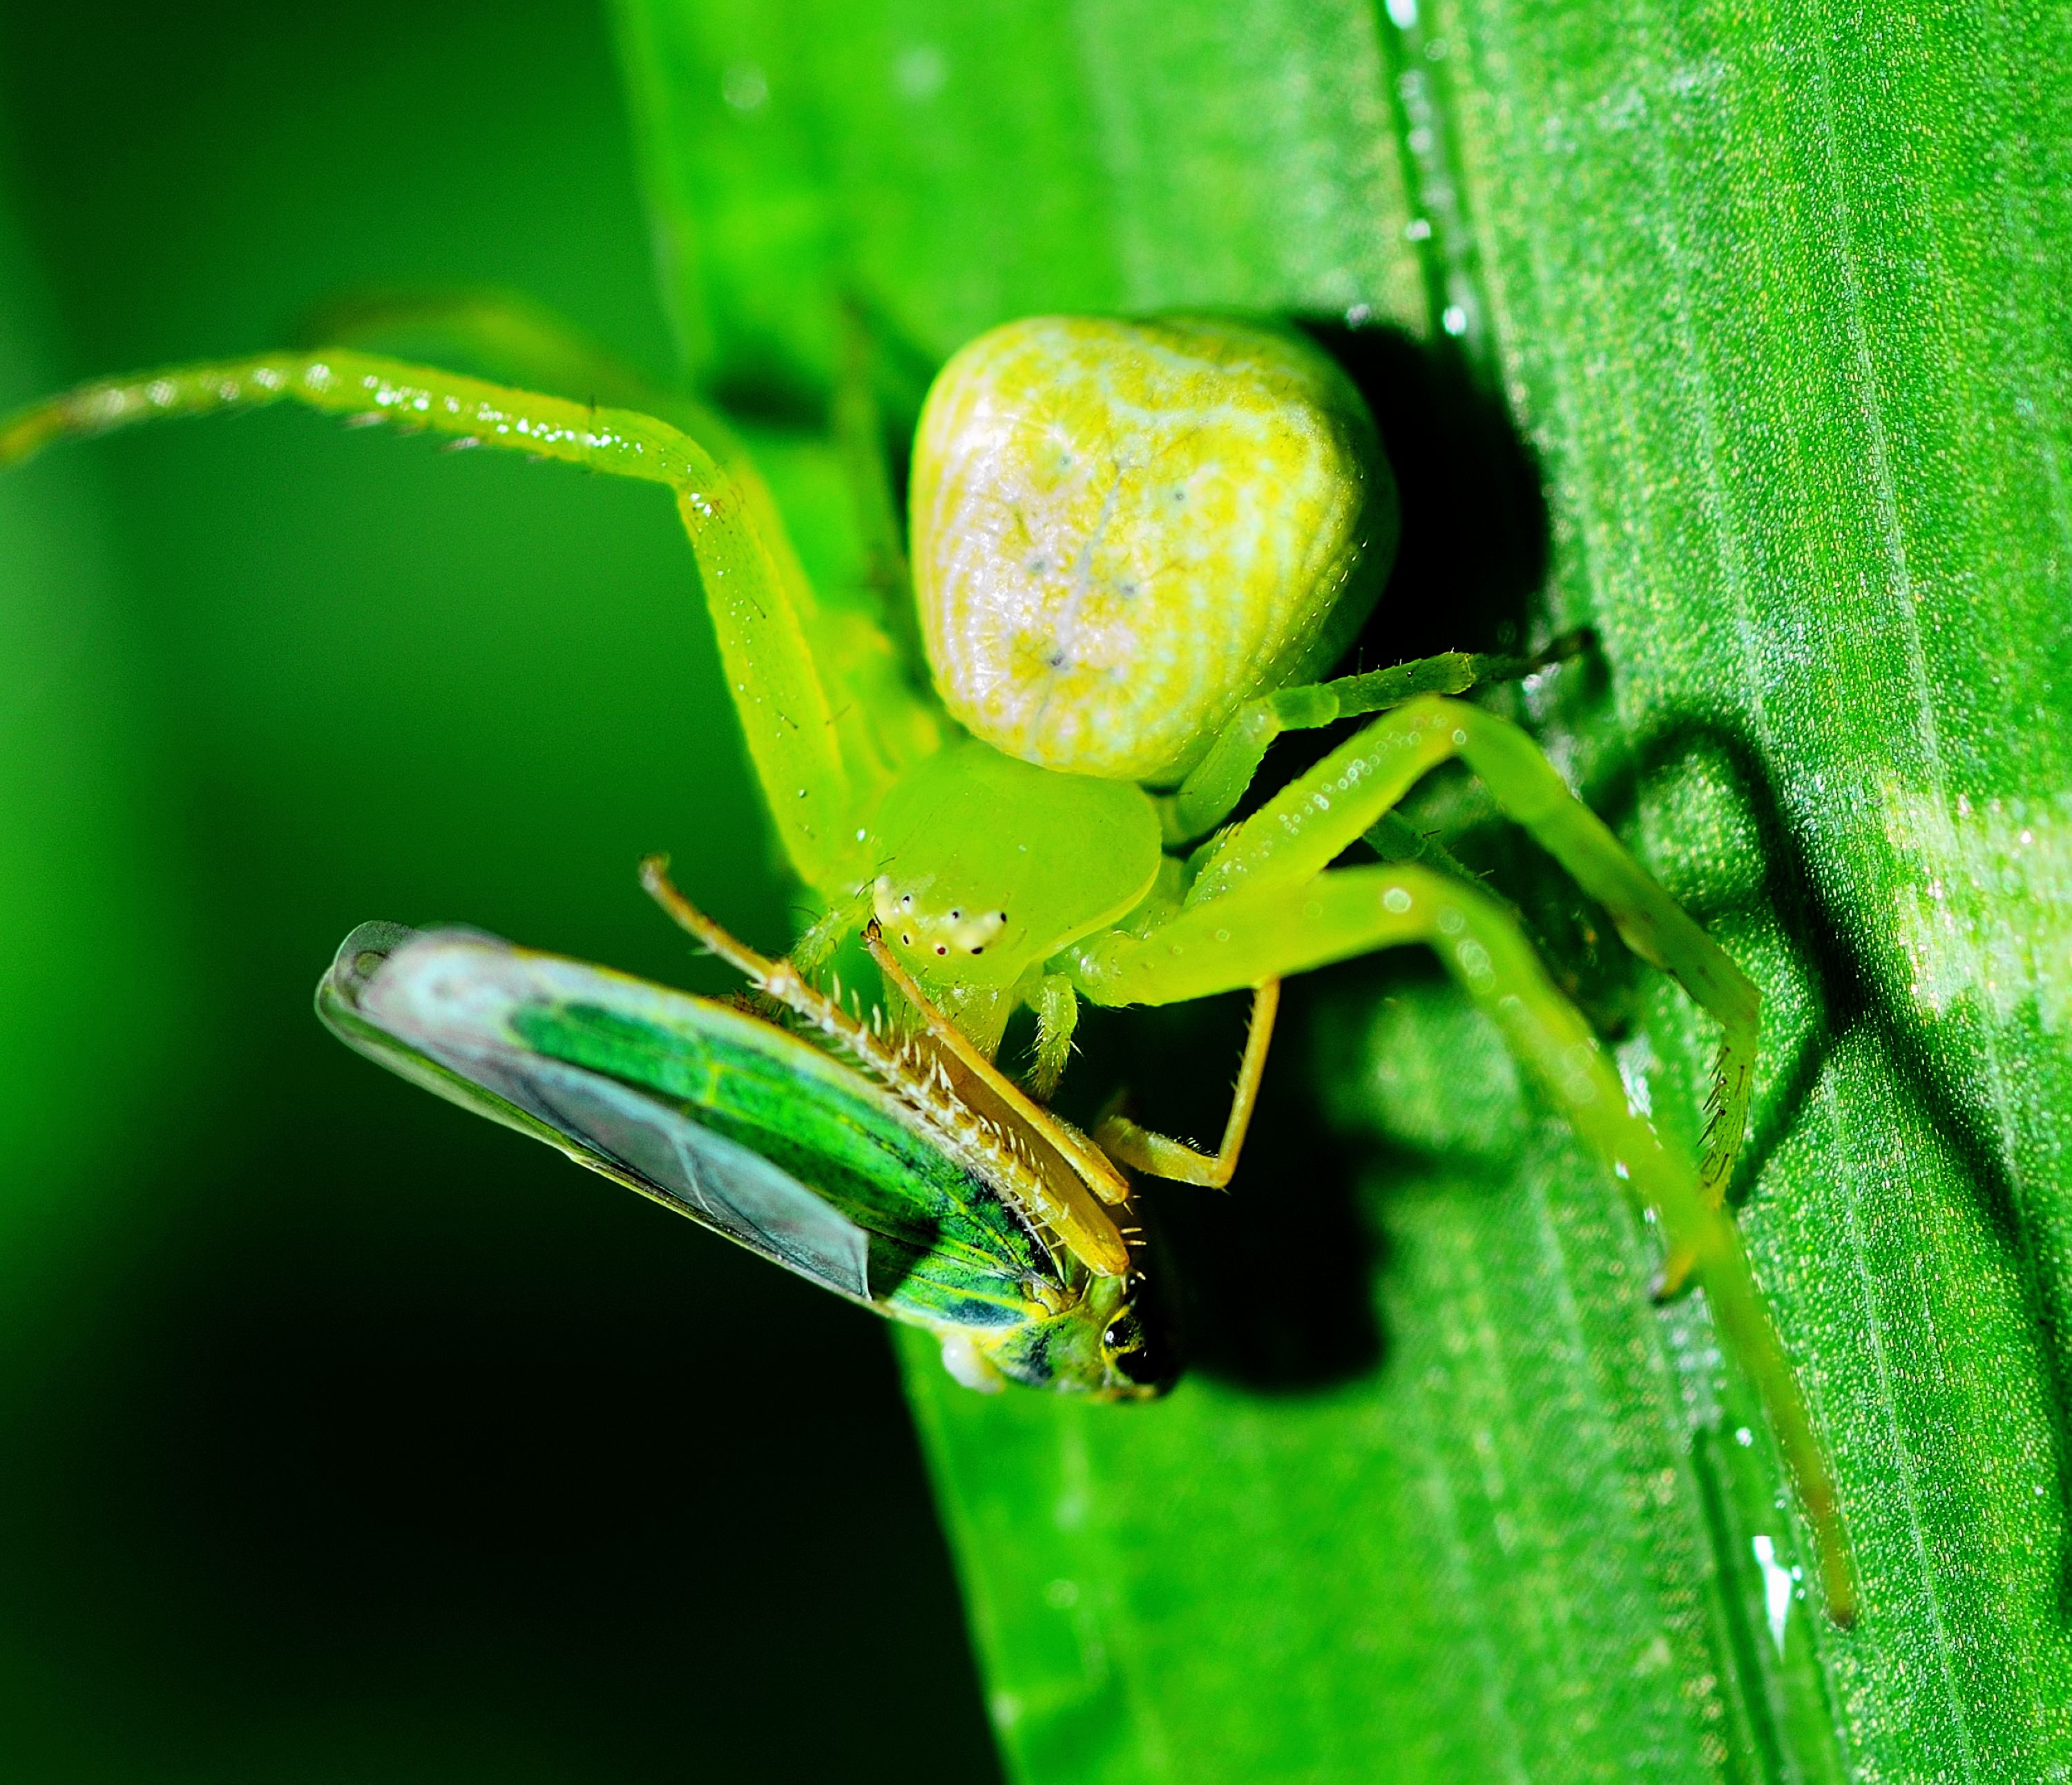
(1779,302)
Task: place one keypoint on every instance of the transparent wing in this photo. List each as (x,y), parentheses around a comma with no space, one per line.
(449,1010)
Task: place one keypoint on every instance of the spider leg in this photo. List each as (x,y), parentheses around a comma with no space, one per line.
(1271,929)
(1057,1007)
(1211,791)
(820,939)
(859,437)
(1296,834)
(502,336)
(820,767)
(867,640)
(1163,1156)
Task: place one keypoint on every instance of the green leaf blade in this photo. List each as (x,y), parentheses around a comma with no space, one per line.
(1779,300)
(1809,482)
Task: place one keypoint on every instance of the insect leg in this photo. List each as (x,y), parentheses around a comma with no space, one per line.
(1210,794)
(815,786)
(1054,1170)
(1296,834)
(1163,1156)
(981,1082)
(1271,930)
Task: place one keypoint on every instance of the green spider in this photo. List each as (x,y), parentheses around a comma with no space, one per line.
(1135,546)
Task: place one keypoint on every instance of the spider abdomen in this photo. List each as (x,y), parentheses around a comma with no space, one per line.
(1122,530)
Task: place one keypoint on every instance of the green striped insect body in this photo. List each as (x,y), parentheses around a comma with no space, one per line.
(843,1176)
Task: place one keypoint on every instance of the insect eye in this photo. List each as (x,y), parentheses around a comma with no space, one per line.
(1136,1355)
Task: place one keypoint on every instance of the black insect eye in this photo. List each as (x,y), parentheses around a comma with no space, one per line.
(1137,1356)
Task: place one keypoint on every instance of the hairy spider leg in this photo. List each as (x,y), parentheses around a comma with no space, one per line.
(821,765)
(1270,927)
(1057,1007)
(1297,834)
(1211,792)
(1164,1157)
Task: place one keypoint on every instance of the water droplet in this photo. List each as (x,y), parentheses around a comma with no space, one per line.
(1776,1588)
(919,72)
(744,86)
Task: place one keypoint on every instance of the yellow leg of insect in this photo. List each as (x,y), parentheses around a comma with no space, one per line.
(1210,794)
(1271,930)
(1057,1008)
(816,770)
(1296,834)
(1164,1157)
(985,1087)
(985,1121)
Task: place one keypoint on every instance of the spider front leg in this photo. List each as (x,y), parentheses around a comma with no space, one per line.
(1255,935)
(1297,834)
(1211,793)
(819,766)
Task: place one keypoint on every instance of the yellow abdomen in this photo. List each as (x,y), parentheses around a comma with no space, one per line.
(1121,531)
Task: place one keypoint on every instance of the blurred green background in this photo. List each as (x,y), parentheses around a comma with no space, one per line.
(345,1437)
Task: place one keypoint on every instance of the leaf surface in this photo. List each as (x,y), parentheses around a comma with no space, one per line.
(1776,299)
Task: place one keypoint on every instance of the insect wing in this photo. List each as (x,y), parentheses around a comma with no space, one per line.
(441,1008)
